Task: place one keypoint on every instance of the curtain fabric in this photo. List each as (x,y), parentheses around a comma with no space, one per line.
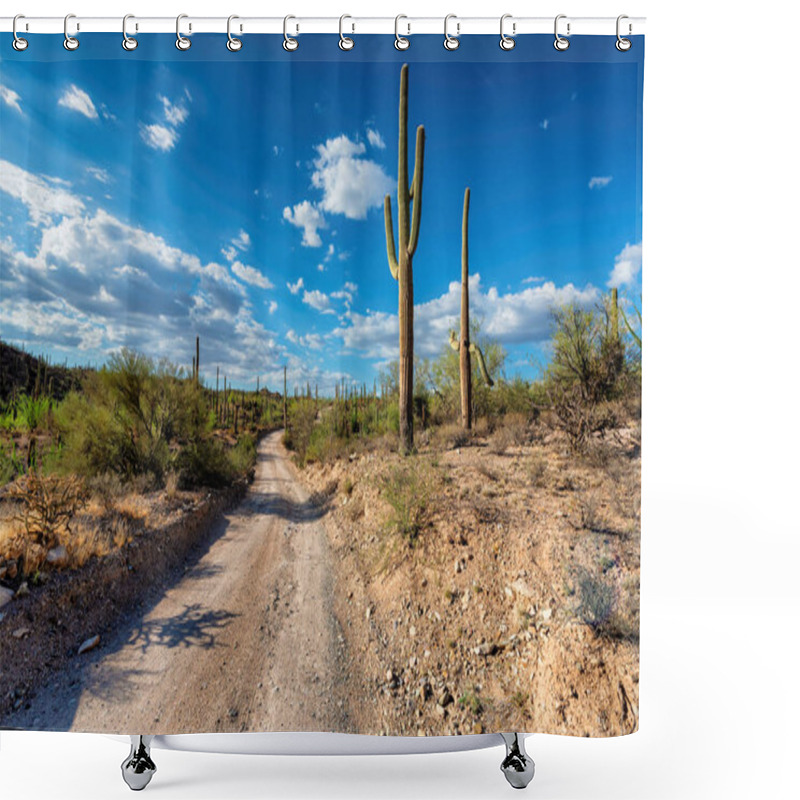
(320,386)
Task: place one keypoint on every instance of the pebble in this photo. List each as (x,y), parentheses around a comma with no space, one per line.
(20,633)
(89,644)
(6,596)
(23,590)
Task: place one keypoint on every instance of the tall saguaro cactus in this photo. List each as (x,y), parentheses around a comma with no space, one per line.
(409,212)
(463,345)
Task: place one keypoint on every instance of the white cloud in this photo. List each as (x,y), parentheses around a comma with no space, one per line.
(350,185)
(159,137)
(307,216)
(229,253)
(544,124)
(627,265)
(242,241)
(251,275)
(76,99)
(375,139)
(294,288)
(534,279)
(273,306)
(318,300)
(43,197)
(99,174)
(10,98)
(94,283)
(600,182)
(512,318)
(174,113)
(312,341)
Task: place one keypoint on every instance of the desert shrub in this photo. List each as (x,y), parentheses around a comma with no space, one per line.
(32,411)
(452,436)
(205,462)
(408,490)
(512,432)
(128,415)
(597,600)
(536,468)
(48,506)
(11,465)
(243,455)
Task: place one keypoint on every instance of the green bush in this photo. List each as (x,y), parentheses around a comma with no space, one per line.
(408,489)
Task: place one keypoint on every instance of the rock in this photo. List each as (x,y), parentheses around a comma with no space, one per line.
(458,566)
(88,645)
(522,588)
(5,596)
(412,631)
(545,614)
(57,557)
(368,612)
(23,590)
(508,591)
(21,633)
(389,675)
(445,699)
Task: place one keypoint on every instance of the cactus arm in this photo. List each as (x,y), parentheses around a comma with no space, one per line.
(454,341)
(390,249)
(632,332)
(416,190)
(473,348)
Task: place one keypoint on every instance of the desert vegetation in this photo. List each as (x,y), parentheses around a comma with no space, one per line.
(90,457)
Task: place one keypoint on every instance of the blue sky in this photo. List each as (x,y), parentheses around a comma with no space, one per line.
(145,201)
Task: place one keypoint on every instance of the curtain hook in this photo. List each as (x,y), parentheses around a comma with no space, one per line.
(19,44)
(622,44)
(345,42)
(70,42)
(451,42)
(233,44)
(400,42)
(289,43)
(181,42)
(561,43)
(507,42)
(128,43)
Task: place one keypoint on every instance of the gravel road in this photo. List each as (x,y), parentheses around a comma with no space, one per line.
(246,640)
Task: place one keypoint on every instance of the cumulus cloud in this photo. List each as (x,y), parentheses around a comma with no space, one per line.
(544,124)
(627,266)
(512,318)
(164,135)
(273,306)
(93,283)
(375,139)
(312,341)
(600,182)
(318,300)
(307,216)
(10,98)
(159,137)
(242,240)
(251,275)
(77,99)
(350,184)
(295,288)
(43,197)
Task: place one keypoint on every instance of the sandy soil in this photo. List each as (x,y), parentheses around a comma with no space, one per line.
(247,640)
(516,607)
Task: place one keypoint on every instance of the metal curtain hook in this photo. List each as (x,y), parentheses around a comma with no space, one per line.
(345,42)
(622,44)
(451,42)
(233,44)
(70,42)
(128,42)
(181,42)
(400,42)
(19,44)
(507,42)
(561,43)
(289,43)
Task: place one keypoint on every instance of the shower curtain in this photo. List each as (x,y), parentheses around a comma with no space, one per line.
(320,379)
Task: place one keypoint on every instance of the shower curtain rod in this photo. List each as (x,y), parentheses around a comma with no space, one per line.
(407,26)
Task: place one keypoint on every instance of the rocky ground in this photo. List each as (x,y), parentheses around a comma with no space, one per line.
(515,606)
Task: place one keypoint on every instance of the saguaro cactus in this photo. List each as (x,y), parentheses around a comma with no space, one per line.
(462,344)
(408,220)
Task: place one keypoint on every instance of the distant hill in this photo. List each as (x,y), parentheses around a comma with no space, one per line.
(22,373)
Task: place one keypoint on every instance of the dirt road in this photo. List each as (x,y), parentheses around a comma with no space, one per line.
(246,640)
